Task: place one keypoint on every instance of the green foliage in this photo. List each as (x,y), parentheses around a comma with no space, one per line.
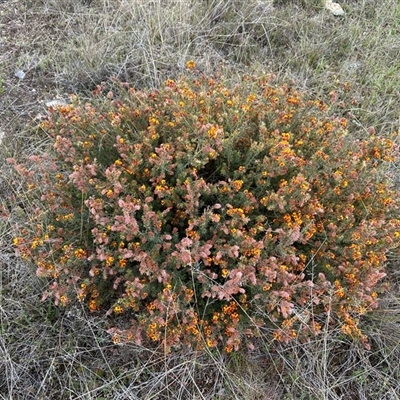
(208,212)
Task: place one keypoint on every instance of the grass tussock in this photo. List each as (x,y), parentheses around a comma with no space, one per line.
(71,46)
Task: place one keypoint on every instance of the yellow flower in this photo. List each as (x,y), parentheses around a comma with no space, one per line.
(64,300)
(153,121)
(17,241)
(190,64)
(237,184)
(251,98)
(116,339)
(212,132)
(79,253)
(266,287)
(118,309)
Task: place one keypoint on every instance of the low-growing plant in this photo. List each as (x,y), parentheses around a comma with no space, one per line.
(209,211)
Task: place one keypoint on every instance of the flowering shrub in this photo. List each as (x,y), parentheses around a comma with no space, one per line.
(206,212)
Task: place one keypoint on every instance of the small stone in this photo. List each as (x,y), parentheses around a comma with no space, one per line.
(334,8)
(20,74)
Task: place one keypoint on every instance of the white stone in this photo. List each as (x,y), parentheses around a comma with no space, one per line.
(334,8)
(20,74)
(55,103)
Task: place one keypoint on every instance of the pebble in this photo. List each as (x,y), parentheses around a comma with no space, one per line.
(334,8)
(20,74)
(55,103)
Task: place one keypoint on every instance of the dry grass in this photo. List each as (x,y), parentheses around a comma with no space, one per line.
(66,46)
